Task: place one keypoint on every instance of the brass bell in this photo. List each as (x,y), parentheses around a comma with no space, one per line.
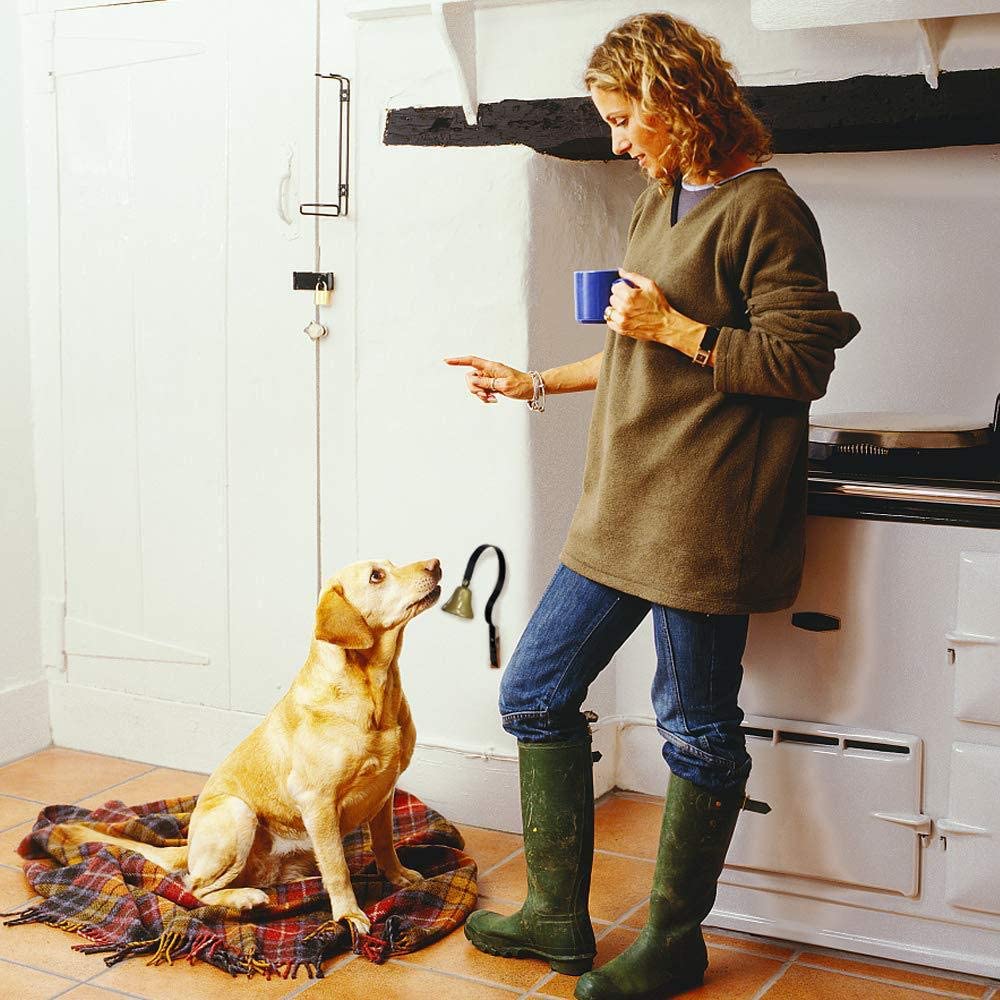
(460,603)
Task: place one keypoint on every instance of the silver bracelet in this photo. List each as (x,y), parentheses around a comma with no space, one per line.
(537,401)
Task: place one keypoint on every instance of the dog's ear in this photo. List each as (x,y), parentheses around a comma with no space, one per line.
(339,622)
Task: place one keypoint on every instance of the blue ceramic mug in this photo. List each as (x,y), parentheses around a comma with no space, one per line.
(592,293)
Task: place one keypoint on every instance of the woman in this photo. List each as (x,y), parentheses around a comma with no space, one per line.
(694,497)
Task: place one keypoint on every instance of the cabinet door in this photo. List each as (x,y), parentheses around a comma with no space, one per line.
(186,381)
(974,645)
(845,805)
(972,827)
(141,95)
(272,412)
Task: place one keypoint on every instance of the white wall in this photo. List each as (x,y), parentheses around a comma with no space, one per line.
(24,723)
(911,246)
(540,49)
(579,217)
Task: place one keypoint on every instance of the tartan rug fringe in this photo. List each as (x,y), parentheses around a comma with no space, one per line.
(26,916)
(171,946)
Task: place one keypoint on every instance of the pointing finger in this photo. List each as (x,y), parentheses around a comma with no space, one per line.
(470,361)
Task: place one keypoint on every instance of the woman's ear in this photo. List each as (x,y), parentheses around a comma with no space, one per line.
(339,622)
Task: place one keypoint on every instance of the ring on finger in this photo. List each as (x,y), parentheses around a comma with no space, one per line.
(493,384)
(607,314)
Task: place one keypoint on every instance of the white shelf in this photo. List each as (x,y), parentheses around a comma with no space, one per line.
(770,15)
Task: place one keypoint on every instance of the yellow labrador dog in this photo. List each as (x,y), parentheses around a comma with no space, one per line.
(322,762)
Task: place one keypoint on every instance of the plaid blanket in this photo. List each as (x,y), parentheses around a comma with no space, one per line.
(125,905)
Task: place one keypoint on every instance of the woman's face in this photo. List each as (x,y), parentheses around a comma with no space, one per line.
(643,138)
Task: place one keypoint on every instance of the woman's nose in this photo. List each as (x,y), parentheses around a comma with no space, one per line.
(619,144)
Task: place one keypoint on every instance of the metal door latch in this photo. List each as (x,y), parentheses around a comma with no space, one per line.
(310,281)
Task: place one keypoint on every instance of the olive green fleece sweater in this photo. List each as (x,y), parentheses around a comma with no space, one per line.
(694,491)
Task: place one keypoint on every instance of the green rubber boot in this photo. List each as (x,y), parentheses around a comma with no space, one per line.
(557,812)
(669,955)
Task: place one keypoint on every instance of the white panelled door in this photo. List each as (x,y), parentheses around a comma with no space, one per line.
(187,386)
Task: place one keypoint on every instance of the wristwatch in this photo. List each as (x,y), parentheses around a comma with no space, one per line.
(706,345)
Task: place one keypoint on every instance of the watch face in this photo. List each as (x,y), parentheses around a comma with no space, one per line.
(710,337)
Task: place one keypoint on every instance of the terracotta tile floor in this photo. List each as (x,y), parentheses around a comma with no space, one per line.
(38,963)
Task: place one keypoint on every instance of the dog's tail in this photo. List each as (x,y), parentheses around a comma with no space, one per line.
(169,858)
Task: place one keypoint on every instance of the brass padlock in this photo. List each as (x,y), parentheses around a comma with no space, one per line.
(322,294)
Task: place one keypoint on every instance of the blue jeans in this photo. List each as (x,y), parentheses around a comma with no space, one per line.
(576,629)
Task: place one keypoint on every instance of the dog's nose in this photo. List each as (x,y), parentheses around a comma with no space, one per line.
(433,566)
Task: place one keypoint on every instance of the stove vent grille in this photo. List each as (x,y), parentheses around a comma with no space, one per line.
(861,449)
(824,740)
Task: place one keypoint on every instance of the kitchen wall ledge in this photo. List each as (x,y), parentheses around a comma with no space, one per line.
(862,114)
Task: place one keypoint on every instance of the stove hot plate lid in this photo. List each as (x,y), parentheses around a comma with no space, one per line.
(898,430)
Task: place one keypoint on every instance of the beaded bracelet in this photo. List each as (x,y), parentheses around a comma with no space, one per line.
(537,401)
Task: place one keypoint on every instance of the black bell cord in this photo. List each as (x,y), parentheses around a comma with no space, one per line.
(501,577)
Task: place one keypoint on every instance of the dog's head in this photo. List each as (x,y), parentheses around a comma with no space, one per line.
(368,598)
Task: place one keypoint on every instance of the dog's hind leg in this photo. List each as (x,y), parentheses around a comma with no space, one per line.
(220,838)
(168,858)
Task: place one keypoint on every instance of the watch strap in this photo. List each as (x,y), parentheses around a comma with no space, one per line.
(708,340)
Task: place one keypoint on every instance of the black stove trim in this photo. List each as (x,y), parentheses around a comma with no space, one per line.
(825,504)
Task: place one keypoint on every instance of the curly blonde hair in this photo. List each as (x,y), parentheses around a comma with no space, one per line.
(677,75)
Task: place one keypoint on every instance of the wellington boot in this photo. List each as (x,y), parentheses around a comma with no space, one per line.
(669,955)
(557,812)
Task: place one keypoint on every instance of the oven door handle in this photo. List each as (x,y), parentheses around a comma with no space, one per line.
(918,823)
(970,639)
(954,828)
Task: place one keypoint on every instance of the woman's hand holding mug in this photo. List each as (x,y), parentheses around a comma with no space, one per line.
(640,310)
(489,379)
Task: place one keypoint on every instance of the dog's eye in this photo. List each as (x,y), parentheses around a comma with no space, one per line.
(377,576)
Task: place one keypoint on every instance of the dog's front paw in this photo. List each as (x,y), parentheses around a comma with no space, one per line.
(355,918)
(251,898)
(403,876)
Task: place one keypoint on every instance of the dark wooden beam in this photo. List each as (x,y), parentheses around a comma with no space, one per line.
(863,113)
